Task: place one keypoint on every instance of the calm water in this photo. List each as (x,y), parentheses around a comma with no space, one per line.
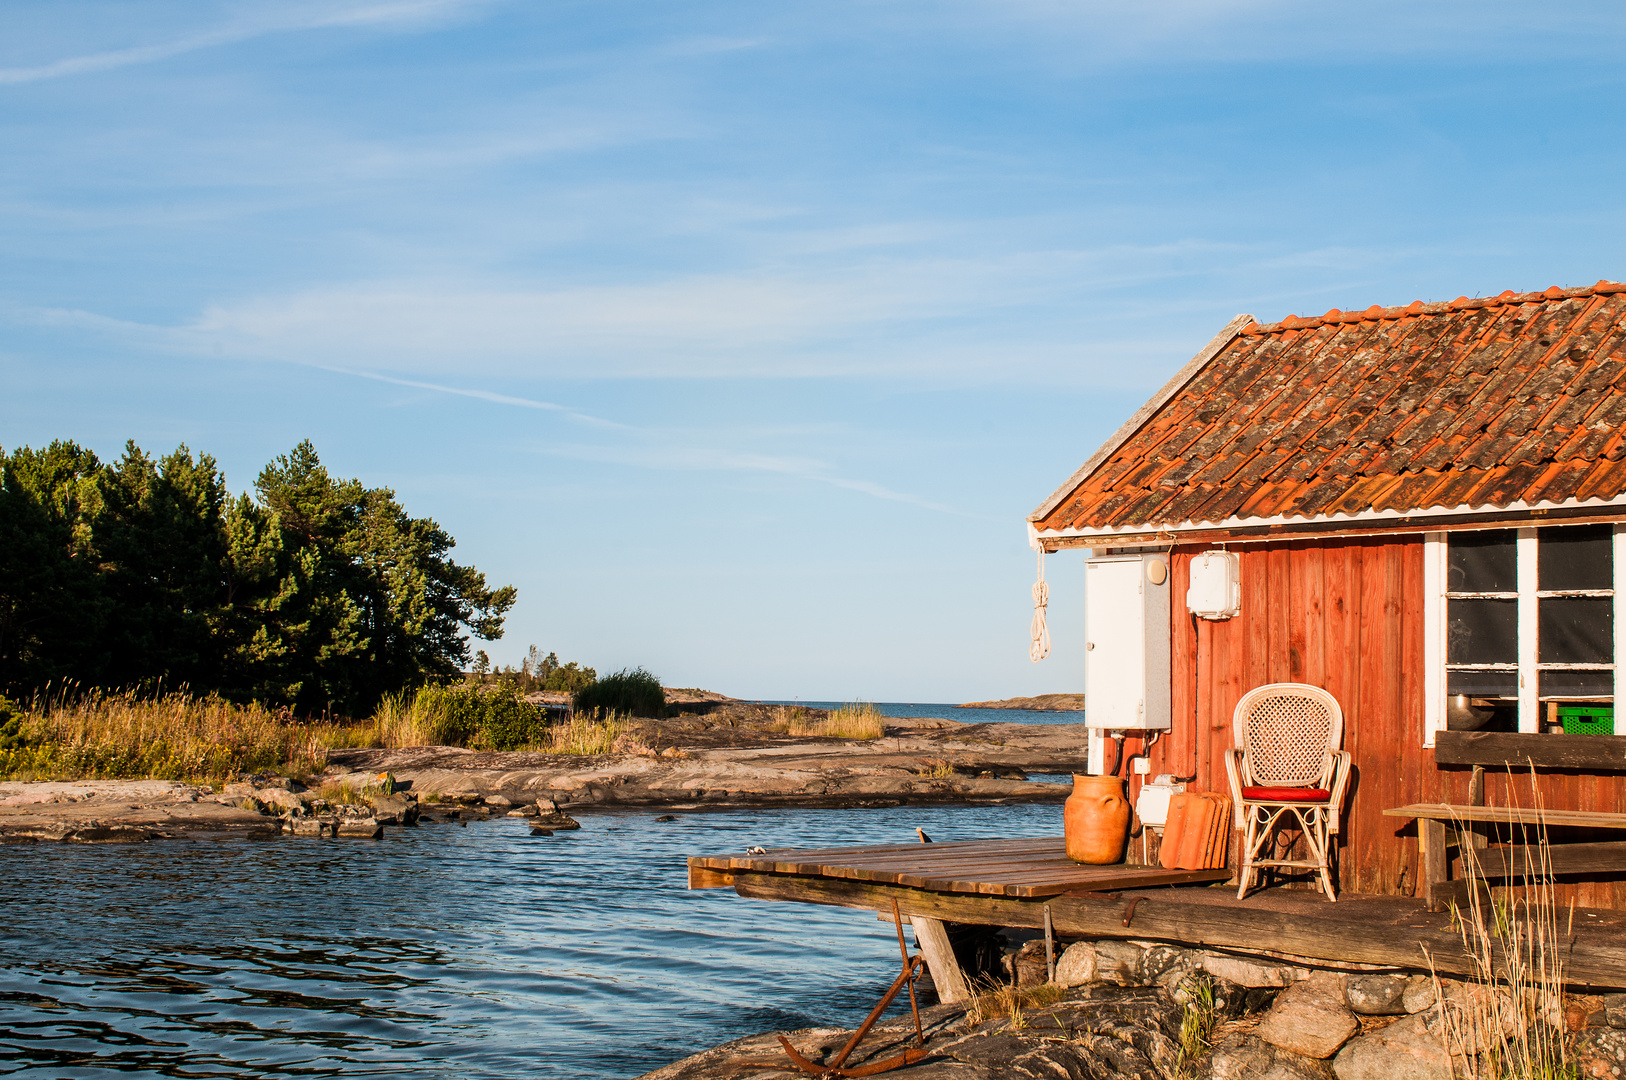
(441,951)
(951,712)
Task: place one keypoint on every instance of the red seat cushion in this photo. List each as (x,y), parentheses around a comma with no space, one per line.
(1286,794)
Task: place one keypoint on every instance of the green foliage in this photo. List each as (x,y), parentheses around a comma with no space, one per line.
(12,735)
(549,674)
(320,593)
(633,691)
(1197,1018)
(488,717)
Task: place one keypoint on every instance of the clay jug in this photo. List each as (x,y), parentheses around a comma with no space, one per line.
(1096,820)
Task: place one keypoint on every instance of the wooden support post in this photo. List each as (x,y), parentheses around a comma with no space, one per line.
(1049,947)
(934,946)
(1476,797)
(1431,842)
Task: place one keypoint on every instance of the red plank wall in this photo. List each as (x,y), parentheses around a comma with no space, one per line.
(1346,615)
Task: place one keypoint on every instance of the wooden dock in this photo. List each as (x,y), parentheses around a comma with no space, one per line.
(1019,868)
(1021,883)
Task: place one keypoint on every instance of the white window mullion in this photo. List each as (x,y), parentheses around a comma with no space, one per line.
(1529,679)
(1434,631)
(1620,618)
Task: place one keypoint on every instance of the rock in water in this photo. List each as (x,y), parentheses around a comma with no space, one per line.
(549,816)
(365,828)
(396,809)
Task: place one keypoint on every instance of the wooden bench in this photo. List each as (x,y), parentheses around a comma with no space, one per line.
(1442,825)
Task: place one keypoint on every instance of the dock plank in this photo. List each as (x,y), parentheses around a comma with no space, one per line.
(1030,867)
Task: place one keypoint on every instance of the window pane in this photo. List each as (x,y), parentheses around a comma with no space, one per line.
(1482,562)
(1483,683)
(1578,557)
(1574,629)
(1482,632)
(1592,684)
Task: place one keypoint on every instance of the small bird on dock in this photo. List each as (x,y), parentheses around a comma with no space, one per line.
(756,851)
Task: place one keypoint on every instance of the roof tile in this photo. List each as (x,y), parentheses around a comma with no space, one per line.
(1475,402)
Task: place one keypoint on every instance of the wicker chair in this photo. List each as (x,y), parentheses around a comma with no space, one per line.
(1287,770)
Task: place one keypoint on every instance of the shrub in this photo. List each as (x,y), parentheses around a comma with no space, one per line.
(490,717)
(633,691)
(12,736)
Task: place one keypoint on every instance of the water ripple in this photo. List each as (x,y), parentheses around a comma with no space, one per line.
(439,951)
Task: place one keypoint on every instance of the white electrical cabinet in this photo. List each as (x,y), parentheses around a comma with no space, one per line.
(1126,651)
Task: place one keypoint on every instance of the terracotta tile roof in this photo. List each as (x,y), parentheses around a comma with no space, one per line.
(1511,399)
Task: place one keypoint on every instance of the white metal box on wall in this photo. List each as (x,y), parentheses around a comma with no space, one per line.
(1126,649)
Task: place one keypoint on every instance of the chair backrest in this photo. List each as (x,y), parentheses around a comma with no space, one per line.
(1285,731)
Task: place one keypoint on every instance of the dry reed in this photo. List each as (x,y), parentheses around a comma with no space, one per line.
(860,720)
(1511,1014)
(583,734)
(994,1000)
(99,735)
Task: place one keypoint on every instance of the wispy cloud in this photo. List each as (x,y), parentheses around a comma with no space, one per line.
(864,316)
(665,451)
(480,395)
(280,20)
(671,456)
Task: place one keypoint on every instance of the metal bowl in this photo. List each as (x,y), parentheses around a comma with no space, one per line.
(1461,714)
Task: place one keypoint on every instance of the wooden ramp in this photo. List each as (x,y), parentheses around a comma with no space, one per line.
(1015,868)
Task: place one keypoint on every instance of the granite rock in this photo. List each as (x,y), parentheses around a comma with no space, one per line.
(1249,972)
(1600,1054)
(1376,995)
(1405,1050)
(1310,1018)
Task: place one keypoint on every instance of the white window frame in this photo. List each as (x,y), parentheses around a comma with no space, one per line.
(1436,627)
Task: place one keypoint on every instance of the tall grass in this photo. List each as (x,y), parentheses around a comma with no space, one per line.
(1197,1020)
(860,720)
(99,735)
(1512,1016)
(993,999)
(586,735)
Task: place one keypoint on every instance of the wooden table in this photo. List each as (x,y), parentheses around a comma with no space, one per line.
(1441,824)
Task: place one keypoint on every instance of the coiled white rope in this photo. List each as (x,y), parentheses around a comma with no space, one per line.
(1040,633)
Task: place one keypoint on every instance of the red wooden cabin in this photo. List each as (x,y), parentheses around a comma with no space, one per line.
(1425,501)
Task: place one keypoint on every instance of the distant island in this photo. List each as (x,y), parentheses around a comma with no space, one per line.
(1042,703)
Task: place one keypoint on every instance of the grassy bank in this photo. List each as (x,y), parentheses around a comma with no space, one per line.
(96,735)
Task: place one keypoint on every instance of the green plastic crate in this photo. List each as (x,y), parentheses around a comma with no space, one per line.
(1587,719)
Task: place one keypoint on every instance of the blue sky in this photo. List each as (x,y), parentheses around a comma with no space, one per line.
(742,337)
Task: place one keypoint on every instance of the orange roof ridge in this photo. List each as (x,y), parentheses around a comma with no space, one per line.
(1417,307)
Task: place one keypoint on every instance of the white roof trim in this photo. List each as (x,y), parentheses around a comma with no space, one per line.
(1435,513)
(1133,424)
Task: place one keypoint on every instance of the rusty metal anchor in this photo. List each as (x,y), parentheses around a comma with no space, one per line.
(836,1067)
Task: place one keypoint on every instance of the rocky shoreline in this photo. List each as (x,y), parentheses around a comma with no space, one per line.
(1149,1010)
(727,759)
